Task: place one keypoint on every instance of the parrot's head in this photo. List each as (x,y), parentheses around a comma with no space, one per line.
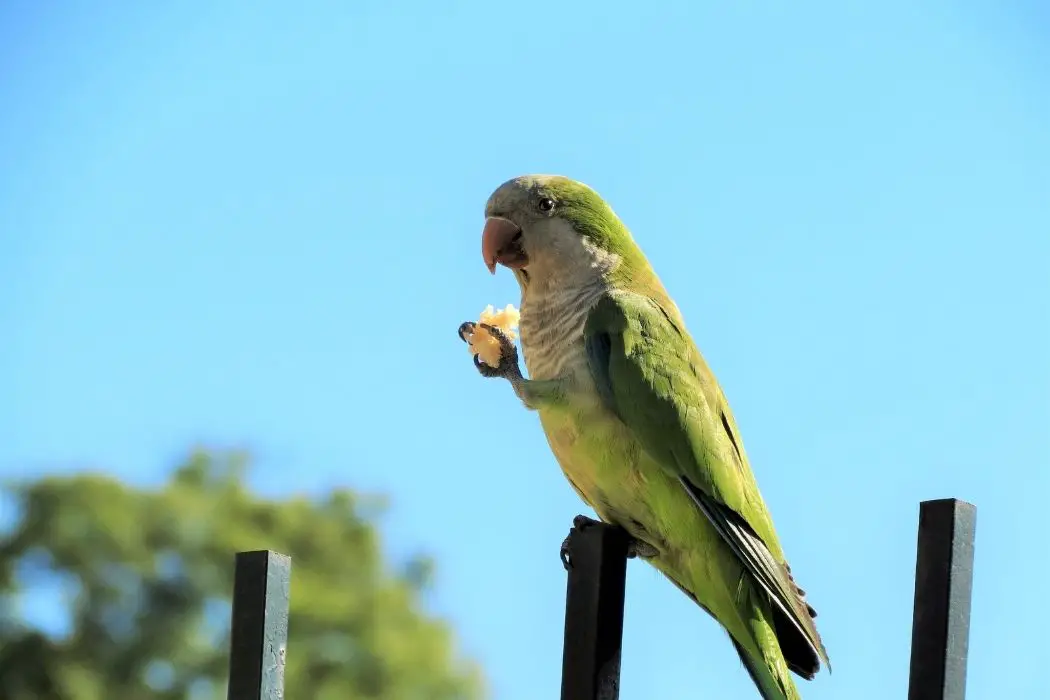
(549,229)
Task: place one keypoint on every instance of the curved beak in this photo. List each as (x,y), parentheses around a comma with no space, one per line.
(501,244)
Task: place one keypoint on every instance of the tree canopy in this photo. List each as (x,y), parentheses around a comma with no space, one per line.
(150,573)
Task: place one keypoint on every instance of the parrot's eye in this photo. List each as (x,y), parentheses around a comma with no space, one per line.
(546,204)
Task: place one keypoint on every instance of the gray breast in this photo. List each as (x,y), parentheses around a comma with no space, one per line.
(552,329)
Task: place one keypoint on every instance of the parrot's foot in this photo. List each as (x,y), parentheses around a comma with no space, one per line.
(635,547)
(580,522)
(642,550)
(508,367)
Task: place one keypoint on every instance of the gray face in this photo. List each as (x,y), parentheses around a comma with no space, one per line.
(513,214)
(521,200)
(523,230)
(525,233)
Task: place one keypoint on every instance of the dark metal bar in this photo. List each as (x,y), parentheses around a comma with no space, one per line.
(594,612)
(259,626)
(943,587)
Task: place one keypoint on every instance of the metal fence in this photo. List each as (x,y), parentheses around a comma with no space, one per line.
(594,612)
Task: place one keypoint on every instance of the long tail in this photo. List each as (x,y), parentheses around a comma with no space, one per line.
(765,681)
(759,650)
(766,666)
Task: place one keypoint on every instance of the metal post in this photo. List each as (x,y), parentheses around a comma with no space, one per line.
(943,587)
(594,612)
(259,626)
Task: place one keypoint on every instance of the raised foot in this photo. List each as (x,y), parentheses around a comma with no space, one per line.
(508,367)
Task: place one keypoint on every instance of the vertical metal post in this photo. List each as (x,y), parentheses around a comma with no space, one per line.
(594,612)
(943,587)
(259,626)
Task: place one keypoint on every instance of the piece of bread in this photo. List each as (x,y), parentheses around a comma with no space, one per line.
(484,344)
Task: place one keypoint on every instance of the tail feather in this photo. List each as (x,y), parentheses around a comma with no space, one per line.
(765,681)
(760,652)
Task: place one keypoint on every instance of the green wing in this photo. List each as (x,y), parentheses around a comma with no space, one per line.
(650,374)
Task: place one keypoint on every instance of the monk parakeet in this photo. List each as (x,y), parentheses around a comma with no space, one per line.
(638,422)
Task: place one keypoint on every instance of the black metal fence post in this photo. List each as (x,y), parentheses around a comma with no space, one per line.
(594,612)
(259,626)
(594,607)
(943,588)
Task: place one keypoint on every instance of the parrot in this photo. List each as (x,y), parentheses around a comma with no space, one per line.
(637,421)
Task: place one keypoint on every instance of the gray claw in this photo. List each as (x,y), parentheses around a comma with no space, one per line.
(641,550)
(635,548)
(466,328)
(506,345)
(580,522)
(488,370)
(508,360)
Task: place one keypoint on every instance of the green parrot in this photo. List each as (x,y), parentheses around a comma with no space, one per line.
(638,422)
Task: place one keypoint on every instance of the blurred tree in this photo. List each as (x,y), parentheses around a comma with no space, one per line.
(150,574)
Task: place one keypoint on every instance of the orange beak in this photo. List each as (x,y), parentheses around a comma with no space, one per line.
(501,244)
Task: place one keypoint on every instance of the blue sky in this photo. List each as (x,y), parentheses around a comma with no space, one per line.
(236,224)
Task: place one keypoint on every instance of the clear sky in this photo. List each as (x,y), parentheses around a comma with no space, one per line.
(239,224)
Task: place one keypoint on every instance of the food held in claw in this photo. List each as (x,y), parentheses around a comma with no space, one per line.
(485,345)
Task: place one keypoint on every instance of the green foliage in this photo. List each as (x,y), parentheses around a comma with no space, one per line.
(151,572)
